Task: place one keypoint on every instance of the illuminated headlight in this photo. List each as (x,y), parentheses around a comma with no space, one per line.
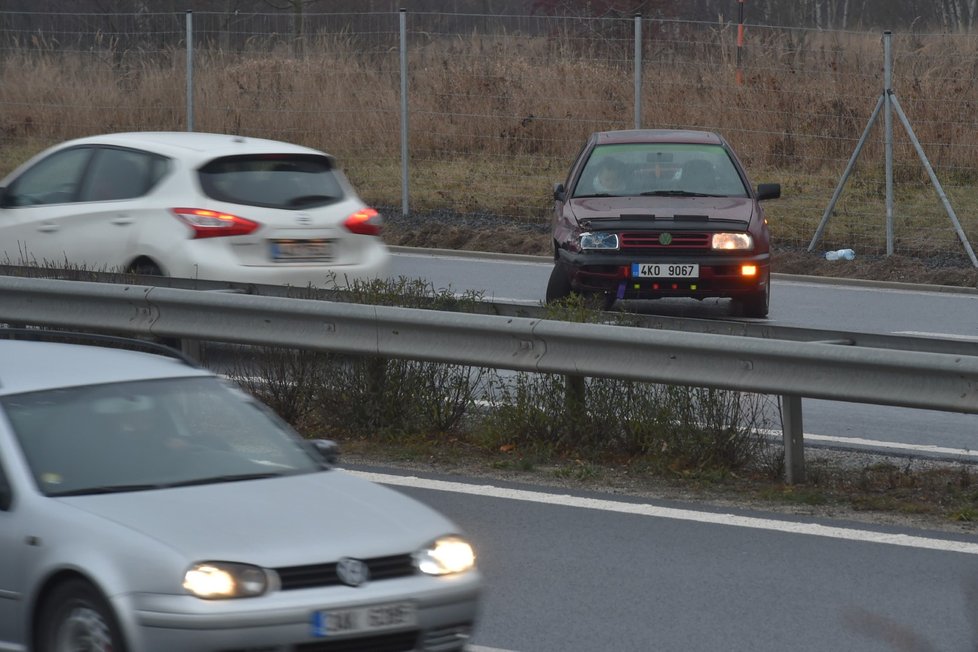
(732,241)
(445,556)
(599,240)
(221,580)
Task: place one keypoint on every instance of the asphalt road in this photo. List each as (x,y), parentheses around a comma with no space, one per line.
(796,301)
(572,571)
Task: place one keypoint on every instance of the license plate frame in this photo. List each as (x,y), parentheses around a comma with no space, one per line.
(665,270)
(367,619)
(316,250)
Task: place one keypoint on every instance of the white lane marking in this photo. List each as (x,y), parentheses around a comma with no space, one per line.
(943,336)
(885,287)
(640,509)
(496,259)
(919,448)
(482,648)
(881,445)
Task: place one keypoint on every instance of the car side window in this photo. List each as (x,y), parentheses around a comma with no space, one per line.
(54,179)
(121,174)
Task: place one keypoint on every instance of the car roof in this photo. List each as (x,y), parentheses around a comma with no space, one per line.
(193,145)
(657,136)
(27,366)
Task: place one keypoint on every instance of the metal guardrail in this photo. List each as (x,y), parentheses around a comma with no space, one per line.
(791,369)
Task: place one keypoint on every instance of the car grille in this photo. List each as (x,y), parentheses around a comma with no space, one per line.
(396,642)
(381,568)
(631,240)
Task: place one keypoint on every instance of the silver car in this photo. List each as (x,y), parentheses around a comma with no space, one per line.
(191,205)
(148,505)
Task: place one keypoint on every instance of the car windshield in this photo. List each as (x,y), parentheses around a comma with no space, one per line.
(659,169)
(276,181)
(151,434)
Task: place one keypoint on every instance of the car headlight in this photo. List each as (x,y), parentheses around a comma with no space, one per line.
(599,240)
(445,556)
(733,241)
(218,580)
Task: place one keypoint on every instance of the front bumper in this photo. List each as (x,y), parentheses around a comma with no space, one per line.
(719,275)
(281,621)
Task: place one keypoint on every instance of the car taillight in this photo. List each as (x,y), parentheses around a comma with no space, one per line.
(213,224)
(365,221)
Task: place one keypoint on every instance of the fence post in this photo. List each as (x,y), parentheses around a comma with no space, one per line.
(404,113)
(638,71)
(740,42)
(190,70)
(888,137)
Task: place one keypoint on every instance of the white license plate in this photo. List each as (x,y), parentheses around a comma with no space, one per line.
(302,250)
(378,617)
(665,270)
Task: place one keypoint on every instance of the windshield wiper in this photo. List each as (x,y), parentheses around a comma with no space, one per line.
(108,489)
(218,479)
(676,193)
(310,199)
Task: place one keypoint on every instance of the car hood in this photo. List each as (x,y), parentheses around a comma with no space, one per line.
(673,209)
(275,522)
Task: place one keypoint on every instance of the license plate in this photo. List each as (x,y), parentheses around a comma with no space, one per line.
(302,250)
(665,270)
(379,617)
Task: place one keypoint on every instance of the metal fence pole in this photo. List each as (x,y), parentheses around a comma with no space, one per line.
(638,71)
(740,43)
(888,138)
(404,114)
(190,71)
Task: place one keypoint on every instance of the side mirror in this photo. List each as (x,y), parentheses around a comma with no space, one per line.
(768,191)
(328,449)
(558,192)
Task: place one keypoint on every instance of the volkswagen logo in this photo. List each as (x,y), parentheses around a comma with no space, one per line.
(665,238)
(352,572)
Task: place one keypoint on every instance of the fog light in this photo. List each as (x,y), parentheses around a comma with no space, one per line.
(748,270)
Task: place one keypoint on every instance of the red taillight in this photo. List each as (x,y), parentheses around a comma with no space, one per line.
(365,221)
(213,224)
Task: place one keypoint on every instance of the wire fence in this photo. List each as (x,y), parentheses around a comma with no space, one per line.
(497,106)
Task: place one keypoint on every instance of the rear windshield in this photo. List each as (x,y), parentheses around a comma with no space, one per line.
(275,181)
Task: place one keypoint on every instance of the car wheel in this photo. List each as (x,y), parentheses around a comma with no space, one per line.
(145,267)
(559,285)
(76,617)
(756,305)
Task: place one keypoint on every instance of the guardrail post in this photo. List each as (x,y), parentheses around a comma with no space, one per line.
(794,439)
(575,390)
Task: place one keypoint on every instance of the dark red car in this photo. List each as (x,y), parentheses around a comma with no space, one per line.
(653,213)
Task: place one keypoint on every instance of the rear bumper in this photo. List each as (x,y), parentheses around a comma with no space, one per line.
(719,275)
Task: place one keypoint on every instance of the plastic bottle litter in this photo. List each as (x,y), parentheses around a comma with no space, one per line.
(841,254)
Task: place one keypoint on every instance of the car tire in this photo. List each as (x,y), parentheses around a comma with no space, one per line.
(558,287)
(757,304)
(75,616)
(145,267)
